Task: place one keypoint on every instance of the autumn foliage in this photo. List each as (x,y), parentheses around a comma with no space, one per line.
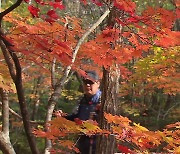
(146,38)
(131,137)
(44,40)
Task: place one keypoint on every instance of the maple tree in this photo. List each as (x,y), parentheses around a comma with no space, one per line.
(157,71)
(127,37)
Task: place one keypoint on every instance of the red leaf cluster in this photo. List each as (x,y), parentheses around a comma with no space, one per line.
(125,5)
(34,11)
(57,5)
(123,149)
(52,14)
(97,2)
(84,2)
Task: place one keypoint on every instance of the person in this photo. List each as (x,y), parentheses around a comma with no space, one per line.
(88,108)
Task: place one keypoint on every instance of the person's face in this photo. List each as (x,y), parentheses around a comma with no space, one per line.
(90,87)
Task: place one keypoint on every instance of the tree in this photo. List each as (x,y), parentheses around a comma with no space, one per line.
(15,72)
(124,37)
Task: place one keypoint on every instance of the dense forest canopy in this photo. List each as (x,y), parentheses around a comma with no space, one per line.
(47,44)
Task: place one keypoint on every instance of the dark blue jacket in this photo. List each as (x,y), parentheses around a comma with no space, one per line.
(86,107)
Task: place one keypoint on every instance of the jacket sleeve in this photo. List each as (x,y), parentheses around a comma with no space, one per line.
(74,114)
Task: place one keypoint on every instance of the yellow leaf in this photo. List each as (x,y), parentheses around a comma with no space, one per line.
(7,85)
(90,128)
(167,139)
(177,150)
(140,127)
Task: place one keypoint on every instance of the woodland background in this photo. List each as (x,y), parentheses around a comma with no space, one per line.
(45,45)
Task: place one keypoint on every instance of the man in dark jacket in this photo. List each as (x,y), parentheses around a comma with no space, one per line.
(88,109)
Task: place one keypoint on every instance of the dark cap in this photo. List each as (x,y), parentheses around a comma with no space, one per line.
(91,75)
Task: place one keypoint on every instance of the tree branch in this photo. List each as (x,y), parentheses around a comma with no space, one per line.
(166,113)
(11,8)
(7,59)
(20,118)
(53,79)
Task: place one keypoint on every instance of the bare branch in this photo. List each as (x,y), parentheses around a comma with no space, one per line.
(53,79)
(166,113)
(20,118)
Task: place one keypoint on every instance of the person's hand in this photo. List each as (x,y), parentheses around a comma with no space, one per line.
(60,113)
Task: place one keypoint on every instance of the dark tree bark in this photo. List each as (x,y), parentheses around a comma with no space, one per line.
(110,84)
(110,91)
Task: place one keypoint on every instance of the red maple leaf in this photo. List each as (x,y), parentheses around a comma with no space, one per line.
(38,1)
(132,20)
(97,2)
(33,10)
(124,149)
(62,44)
(178,13)
(57,5)
(84,2)
(52,14)
(121,22)
(125,5)
(50,20)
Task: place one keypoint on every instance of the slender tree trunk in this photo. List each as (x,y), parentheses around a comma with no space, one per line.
(5,112)
(110,91)
(36,101)
(110,84)
(25,114)
(51,105)
(16,74)
(5,144)
(168,102)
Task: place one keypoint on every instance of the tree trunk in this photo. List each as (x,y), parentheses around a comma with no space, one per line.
(51,105)
(110,91)
(110,83)
(5,144)
(36,100)
(25,116)
(16,74)
(5,112)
